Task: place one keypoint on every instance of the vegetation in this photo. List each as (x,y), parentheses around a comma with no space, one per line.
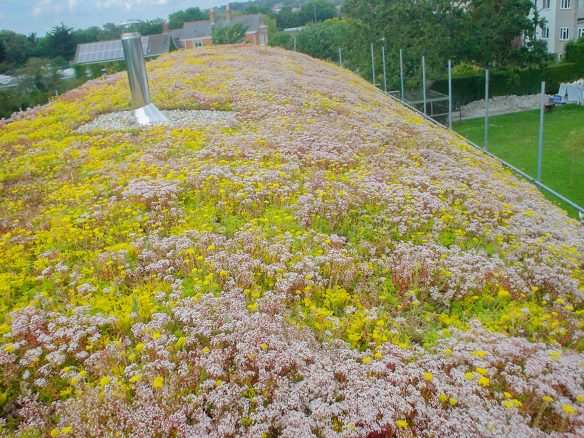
(514,138)
(177,19)
(327,264)
(232,34)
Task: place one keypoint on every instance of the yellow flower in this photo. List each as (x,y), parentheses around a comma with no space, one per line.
(481,371)
(469,375)
(9,348)
(580,398)
(428,377)
(507,394)
(264,346)
(547,398)
(180,343)
(442,397)
(452,401)
(402,423)
(136,378)
(569,308)
(104,380)
(156,335)
(140,346)
(568,409)
(206,350)
(378,355)
(158,382)
(479,353)
(366,360)
(54,432)
(554,354)
(508,403)
(560,301)
(66,429)
(484,381)
(82,373)
(448,352)
(502,294)
(218,383)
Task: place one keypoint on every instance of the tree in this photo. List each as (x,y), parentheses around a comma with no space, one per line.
(18,47)
(493,27)
(231,34)
(2,52)
(281,39)
(177,19)
(61,42)
(287,18)
(317,10)
(150,27)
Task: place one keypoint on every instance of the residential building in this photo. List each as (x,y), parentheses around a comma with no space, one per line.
(198,33)
(564,22)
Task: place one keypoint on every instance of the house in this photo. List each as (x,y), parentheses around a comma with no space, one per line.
(198,33)
(564,22)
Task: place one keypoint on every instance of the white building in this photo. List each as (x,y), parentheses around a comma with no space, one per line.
(565,22)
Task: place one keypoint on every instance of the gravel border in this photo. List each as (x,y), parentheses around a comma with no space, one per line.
(124,120)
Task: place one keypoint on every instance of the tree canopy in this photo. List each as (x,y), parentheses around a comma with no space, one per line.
(231,34)
(61,42)
(177,19)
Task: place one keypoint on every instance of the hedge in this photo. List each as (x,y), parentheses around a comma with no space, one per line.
(511,82)
(575,53)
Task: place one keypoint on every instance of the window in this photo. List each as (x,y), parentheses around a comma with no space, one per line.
(545,33)
(546,4)
(198,44)
(581,32)
(564,33)
(565,4)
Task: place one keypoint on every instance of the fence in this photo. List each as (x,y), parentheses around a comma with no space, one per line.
(438,108)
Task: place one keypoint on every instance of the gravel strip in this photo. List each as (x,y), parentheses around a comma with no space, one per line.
(124,120)
(501,105)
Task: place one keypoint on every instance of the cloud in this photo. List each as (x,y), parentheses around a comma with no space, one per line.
(129,4)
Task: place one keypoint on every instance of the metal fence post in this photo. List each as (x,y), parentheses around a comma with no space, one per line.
(424,83)
(340,57)
(486,142)
(294,42)
(373,64)
(401,75)
(540,145)
(449,94)
(384,72)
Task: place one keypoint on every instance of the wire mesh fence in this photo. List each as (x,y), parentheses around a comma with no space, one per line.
(444,108)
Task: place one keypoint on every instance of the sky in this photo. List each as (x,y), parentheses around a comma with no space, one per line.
(40,16)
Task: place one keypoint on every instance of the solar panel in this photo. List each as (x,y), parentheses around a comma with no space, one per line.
(105,51)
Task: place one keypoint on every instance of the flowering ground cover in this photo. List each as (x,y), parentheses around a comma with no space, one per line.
(329,264)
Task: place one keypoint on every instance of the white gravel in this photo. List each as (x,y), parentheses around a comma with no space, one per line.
(501,105)
(124,120)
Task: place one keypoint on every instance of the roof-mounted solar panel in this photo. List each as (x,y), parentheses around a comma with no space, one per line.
(106,51)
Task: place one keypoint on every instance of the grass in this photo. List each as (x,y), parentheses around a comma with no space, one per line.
(514,138)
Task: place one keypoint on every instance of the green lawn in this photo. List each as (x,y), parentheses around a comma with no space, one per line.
(514,138)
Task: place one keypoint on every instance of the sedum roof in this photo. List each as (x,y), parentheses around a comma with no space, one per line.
(329,264)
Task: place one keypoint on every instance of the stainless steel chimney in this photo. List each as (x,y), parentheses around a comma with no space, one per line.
(145,112)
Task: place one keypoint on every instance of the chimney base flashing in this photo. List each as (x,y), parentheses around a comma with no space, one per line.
(150,115)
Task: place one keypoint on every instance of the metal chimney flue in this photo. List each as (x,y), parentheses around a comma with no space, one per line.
(145,112)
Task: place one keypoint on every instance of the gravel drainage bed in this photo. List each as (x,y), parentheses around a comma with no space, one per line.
(124,120)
